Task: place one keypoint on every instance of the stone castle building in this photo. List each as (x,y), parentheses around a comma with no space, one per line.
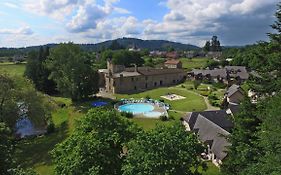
(119,79)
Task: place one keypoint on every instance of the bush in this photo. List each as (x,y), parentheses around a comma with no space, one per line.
(196,83)
(147,97)
(183,86)
(219,85)
(50,126)
(204,93)
(61,104)
(161,100)
(190,88)
(163,118)
(171,117)
(212,96)
(127,114)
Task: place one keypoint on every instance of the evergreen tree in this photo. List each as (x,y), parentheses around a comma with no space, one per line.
(207,46)
(243,150)
(37,71)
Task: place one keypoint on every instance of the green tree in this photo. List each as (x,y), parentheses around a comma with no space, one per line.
(16,91)
(6,158)
(269,162)
(72,72)
(207,46)
(97,145)
(37,71)
(164,150)
(115,45)
(244,149)
(127,58)
(9,166)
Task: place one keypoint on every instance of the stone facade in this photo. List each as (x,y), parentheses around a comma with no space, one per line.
(119,79)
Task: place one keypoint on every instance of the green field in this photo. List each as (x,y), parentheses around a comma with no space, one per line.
(12,69)
(193,63)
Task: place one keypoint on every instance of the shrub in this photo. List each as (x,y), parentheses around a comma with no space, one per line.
(219,85)
(171,117)
(161,100)
(163,118)
(50,126)
(204,93)
(196,83)
(127,114)
(61,104)
(183,86)
(147,97)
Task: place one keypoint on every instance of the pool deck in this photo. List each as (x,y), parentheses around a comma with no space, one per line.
(156,109)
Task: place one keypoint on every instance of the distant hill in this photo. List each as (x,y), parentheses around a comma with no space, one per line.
(146,44)
(125,42)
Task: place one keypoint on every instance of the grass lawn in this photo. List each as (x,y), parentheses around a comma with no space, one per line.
(192,102)
(193,63)
(212,169)
(12,69)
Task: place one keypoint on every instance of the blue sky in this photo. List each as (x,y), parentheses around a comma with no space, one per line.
(35,22)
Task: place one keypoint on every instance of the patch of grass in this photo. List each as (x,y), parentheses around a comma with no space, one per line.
(212,169)
(192,102)
(194,63)
(13,69)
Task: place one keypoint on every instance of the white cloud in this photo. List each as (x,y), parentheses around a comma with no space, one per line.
(247,6)
(86,18)
(21,31)
(10,5)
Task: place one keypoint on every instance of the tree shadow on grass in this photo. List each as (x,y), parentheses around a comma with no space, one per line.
(32,151)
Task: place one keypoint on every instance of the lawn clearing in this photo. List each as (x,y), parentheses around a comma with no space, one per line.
(13,69)
(194,63)
(192,101)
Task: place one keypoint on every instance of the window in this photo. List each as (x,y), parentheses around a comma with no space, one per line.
(146,78)
(161,82)
(155,83)
(132,78)
(145,85)
(135,87)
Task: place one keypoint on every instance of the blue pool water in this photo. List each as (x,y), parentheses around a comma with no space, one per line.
(136,108)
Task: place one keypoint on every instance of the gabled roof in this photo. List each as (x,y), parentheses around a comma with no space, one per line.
(207,131)
(211,127)
(154,71)
(233,89)
(236,68)
(213,73)
(218,117)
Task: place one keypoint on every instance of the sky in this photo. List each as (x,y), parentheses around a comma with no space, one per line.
(36,22)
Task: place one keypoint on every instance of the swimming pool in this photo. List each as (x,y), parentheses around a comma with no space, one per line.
(136,108)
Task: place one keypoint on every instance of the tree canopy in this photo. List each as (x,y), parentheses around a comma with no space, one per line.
(97,145)
(72,71)
(17,91)
(37,71)
(164,150)
(256,139)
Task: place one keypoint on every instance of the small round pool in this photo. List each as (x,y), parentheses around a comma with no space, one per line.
(136,108)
